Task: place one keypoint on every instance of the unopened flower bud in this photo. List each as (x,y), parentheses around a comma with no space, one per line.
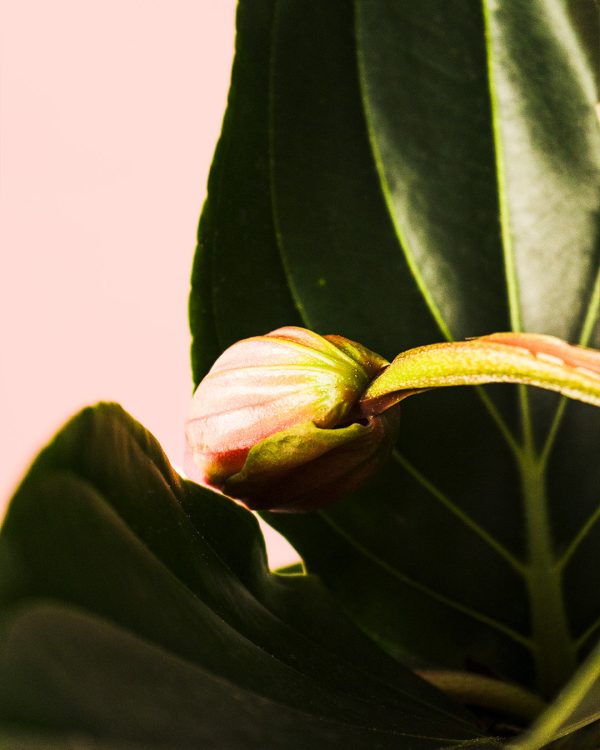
(277,424)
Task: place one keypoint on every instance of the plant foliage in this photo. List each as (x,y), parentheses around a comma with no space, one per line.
(401,174)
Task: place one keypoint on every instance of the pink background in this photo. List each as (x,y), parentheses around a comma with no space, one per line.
(110,112)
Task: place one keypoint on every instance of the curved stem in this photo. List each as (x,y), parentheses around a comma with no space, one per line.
(486,692)
(529,359)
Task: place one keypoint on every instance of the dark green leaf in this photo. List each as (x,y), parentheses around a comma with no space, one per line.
(428,170)
(68,671)
(237,261)
(139,608)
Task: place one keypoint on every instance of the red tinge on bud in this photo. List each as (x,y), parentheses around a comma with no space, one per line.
(276,423)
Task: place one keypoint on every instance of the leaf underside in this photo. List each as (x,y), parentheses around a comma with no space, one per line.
(402,173)
(137,610)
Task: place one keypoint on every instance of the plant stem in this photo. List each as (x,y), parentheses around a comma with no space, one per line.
(529,359)
(485,692)
(553,647)
(559,721)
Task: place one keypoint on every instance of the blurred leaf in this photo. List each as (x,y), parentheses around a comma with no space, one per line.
(400,173)
(138,608)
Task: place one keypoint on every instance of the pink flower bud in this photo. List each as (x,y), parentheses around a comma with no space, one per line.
(276,422)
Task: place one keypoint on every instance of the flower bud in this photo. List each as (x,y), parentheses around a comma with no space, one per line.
(277,424)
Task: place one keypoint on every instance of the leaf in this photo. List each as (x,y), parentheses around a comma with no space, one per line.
(231,253)
(428,171)
(138,608)
(575,710)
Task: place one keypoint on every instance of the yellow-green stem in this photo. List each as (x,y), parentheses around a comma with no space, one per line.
(486,692)
(529,359)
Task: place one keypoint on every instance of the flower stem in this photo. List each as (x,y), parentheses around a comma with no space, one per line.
(529,359)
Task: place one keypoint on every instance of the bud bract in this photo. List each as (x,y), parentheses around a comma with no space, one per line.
(276,423)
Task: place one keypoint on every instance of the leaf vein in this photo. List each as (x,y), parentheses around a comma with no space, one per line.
(512,283)
(578,539)
(460,514)
(428,591)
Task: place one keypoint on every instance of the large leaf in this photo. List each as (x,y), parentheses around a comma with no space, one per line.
(402,173)
(138,608)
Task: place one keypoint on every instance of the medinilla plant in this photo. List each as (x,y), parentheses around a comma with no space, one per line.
(405,197)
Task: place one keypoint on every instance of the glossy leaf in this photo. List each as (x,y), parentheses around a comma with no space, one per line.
(420,172)
(138,608)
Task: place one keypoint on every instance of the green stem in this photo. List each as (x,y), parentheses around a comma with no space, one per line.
(559,721)
(553,646)
(485,692)
(529,359)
